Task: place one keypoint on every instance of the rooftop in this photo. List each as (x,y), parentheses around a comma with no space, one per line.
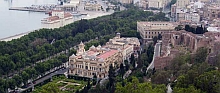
(107,54)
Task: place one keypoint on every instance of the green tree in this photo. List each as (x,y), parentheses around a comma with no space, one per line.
(191,89)
(200,55)
(122,70)
(111,75)
(209,82)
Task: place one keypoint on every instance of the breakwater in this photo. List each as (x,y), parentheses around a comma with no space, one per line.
(16,36)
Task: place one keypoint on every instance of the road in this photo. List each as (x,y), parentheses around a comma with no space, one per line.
(60,71)
(156,54)
(169,89)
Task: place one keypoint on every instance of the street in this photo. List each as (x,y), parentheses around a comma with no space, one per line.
(60,71)
(156,54)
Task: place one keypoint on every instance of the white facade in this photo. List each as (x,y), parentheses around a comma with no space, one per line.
(93,7)
(155,3)
(194,17)
(158,3)
(182,3)
(58,19)
(126,45)
(125,1)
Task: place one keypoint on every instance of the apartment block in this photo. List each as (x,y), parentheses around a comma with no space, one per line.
(148,30)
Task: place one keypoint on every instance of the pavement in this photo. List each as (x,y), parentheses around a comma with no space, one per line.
(127,74)
(60,71)
(156,54)
(169,89)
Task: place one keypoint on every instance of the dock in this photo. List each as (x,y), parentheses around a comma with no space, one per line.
(35,8)
(27,9)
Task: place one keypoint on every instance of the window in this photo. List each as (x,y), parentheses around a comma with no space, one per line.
(86,67)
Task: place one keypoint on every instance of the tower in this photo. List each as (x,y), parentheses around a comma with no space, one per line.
(81,49)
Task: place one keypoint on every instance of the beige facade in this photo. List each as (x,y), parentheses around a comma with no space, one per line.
(182,3)
(93,7)
(126,45)
(148,30)
(98,59)
(212,11)
(58,19)
(158,3)
(125,1)
(95,61)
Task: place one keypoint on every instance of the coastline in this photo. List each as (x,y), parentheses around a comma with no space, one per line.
(16,36)
(91,16)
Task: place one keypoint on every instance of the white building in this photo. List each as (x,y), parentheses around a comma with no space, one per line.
(155,3)
(182,3)
(125,1)
(194,17)
(58,19)
(126,45)
(93,7)
(158,3)
(71,6)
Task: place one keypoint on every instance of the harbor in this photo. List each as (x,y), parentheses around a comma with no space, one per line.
(35,8)
(74,7)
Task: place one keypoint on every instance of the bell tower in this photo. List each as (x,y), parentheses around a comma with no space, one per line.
(81,49)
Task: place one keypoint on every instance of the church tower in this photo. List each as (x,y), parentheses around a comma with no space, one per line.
(81,49)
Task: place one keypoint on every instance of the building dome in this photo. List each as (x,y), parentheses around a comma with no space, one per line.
(92,47)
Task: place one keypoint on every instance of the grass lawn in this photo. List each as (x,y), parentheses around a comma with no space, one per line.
(64,84)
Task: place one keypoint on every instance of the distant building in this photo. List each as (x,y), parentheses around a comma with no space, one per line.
(126,45)
(148,30)
(212,11)
(182,3)
(71,6)
(96,60)
(58,19)
(158,3)
(92,7)
(194,17)
(125,1)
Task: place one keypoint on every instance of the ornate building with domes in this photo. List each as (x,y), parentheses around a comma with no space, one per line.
(96,60)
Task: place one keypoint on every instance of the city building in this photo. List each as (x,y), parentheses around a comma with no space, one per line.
(193,17)
(96,60)
(158,3)
(125,1)
(127,46)
(212,11)
(70,6)
(58,19)
(92,6)
(182,3)
(148,30)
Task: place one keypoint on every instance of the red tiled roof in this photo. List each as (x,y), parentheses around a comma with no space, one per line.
(53,18)
(67,15)
(57,11)
(107,54)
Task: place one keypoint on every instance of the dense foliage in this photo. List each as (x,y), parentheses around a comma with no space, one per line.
(133,86)
(196,30)
(190,74)
(22,53)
